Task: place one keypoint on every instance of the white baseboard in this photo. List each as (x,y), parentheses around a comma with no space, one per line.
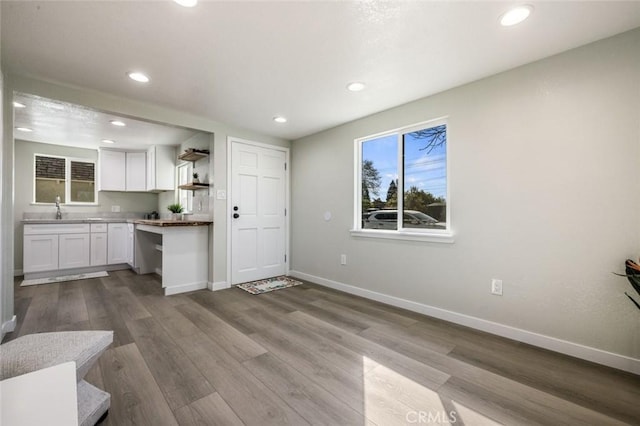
(169,291)
(588,353)
(220,285)
(9,326)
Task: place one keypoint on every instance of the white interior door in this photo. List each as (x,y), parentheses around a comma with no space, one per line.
(258,216)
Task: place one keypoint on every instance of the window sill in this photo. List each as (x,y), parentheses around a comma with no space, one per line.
(444,237)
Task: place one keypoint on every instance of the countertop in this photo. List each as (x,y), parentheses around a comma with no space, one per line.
(161,222)
(84,220)
(154,222)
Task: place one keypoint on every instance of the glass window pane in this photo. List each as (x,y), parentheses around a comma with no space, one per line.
(185,197)
(83,189)
(379,182)
(49,179)
(425,178)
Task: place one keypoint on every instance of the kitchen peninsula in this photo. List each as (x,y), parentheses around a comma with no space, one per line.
(178,250)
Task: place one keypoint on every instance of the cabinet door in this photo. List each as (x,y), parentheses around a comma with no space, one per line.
(151,169)
(161,168)
(130,247)
(99,249)
(165,168)
(136,171)
(73,250)
(112,170)
(117,243)
(40,253)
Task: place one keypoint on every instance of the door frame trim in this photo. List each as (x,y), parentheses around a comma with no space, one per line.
(287,195)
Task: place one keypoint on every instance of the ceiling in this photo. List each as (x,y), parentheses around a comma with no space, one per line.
(61,123)
(242,63)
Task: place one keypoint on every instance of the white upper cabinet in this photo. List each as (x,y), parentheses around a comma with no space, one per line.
(136,175)
(112,170)
(161,168)
(122,171)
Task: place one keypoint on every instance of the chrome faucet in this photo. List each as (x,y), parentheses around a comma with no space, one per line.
(58,213)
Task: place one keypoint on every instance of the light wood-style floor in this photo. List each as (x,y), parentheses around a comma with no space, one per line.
(312,355)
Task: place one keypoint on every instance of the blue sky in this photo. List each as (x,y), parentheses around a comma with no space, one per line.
(426,171)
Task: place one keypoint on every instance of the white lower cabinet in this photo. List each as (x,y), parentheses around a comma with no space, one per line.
(52,247)
(98,244)
(117,243)
(49,247)
(130,244)
(40,253)
(98,249)
(73,250)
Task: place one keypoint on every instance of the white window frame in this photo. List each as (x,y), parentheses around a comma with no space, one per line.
(67,180)
(410,234)
(188,207)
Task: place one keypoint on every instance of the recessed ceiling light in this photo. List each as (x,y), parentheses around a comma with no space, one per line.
(356,86)
(118,123)
(18,105)
(107,141)
(138,76)
(187,3)
(24,129)
(516,15)
(280,119)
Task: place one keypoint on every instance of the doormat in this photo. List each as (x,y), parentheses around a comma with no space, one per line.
(63,278)
(270,284)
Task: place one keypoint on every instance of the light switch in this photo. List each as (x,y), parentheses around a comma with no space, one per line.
(221,194)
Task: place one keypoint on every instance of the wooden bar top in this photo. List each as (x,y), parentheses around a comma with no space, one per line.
(162,222)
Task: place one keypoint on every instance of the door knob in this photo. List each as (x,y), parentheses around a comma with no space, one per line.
(235,208)
(236,215)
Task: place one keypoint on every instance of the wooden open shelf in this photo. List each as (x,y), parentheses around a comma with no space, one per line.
(194,155)
(194,186)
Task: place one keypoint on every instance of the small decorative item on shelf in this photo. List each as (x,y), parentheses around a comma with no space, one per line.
(632,272)
(195,177)
(175,209)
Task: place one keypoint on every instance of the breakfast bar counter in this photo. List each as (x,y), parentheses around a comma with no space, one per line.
(161,222)
(177,250)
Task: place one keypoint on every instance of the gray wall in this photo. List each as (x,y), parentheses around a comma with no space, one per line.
(545,195)
(23,202)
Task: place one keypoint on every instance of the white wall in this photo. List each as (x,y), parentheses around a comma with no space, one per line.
(545,194)
(135,202)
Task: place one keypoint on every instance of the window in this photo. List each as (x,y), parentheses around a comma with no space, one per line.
(185,196)
(405,171)
(72,179)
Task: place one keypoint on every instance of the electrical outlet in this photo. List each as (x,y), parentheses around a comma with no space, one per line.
(115,209)
(343,259)
(496,287)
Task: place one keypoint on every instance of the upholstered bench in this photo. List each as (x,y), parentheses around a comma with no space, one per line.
(36,351)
